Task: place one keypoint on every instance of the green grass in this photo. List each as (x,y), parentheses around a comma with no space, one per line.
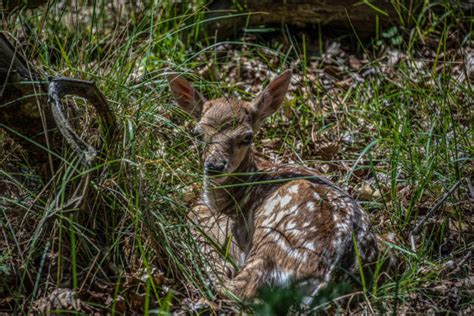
(127,246)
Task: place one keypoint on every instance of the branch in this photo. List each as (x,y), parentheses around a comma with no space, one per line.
(60,87)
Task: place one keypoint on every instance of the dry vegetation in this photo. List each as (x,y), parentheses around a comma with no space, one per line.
(387,118)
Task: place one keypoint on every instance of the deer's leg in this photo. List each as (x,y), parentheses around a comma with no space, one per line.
(250,278)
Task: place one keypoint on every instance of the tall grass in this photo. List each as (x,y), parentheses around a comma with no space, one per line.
(129,241)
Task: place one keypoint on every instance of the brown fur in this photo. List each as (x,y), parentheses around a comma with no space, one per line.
(287,223)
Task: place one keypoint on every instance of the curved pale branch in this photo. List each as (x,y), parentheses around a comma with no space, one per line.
(60,87)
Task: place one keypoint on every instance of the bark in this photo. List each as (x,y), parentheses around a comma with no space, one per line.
(339,14)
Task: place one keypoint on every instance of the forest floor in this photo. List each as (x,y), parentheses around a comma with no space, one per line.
(389,119)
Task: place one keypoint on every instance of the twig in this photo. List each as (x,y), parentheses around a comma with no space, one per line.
(460,264)
(438,204)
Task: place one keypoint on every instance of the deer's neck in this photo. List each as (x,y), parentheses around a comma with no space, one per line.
(228,195)
(235,197)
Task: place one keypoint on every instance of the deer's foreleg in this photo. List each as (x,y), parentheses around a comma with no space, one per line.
(252,276)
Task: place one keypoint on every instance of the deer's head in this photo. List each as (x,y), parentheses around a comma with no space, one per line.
(227,126)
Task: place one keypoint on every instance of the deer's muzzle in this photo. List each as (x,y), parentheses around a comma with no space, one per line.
(215,165)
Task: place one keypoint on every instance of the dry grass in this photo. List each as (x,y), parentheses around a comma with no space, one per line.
(389,119)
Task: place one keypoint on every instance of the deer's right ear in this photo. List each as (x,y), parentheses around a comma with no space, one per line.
(271,97)
(188,98)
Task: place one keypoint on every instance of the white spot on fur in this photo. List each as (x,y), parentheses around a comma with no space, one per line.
(299,256)
(270,205)
(316,196)
(336,243)
(282,244)
(291,225)
(293,209)
(279,216)
(311,206)
(285,200)
(310,245)
(281,278)
(344,226)
(294,188)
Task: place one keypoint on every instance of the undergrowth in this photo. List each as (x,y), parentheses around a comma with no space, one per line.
(387,118)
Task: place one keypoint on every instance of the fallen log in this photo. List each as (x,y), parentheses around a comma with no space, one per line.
(227,18)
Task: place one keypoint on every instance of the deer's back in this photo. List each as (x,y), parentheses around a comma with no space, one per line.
(304,230)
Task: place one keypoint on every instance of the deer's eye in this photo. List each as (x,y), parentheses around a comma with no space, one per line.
(247,139)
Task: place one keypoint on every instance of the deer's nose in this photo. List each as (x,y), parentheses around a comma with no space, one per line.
(215,166)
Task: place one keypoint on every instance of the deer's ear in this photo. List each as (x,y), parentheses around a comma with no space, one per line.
(188,98)
(270,99)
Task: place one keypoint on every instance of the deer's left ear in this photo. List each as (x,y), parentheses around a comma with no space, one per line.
(270,99)
(188,98)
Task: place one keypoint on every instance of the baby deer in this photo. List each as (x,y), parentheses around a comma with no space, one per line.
(291,225)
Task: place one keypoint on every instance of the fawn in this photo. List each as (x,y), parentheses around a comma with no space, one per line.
(288,223)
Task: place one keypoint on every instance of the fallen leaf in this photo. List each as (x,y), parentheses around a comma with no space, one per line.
(354,62)
(367,192)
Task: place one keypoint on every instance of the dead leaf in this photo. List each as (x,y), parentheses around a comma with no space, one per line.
(119,301)
(191,193)
(60,298)
(354,62)
(367,192)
